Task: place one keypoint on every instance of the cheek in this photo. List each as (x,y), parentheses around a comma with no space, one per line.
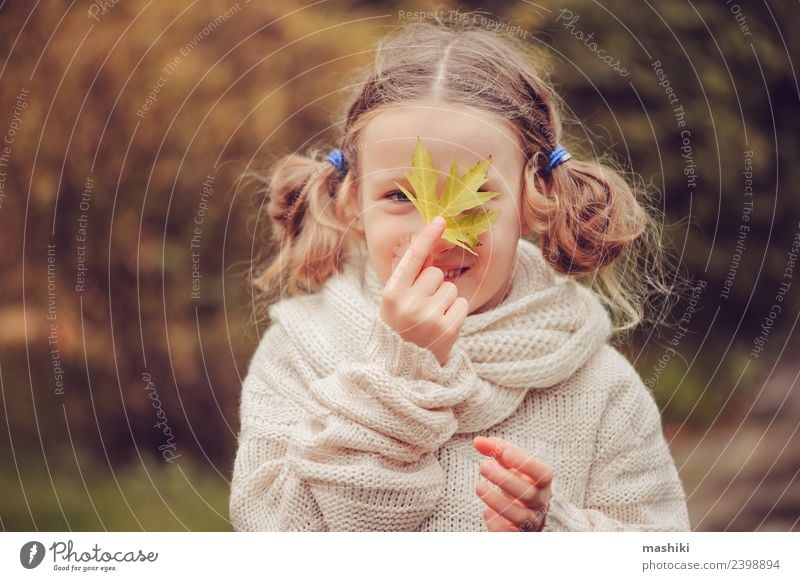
(497,247)
(491,243)
(386,252)
(399,247)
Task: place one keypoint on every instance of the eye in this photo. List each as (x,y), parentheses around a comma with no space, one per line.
(397,193)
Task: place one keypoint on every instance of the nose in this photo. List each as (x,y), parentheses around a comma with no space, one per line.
(441,246)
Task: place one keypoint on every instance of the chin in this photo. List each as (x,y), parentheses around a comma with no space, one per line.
(477,307)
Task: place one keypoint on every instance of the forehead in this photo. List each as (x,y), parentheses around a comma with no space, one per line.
(448,132)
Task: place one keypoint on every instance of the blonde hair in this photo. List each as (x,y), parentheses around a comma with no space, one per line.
(585,215)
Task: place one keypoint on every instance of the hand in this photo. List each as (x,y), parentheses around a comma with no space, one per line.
(421,307)
(522,502)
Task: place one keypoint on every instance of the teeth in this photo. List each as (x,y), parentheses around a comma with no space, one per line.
(451,273)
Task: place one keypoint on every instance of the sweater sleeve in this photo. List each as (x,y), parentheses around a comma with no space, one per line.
(633,482)
(353,451)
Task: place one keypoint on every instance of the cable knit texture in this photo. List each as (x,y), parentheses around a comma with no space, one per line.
(346,426)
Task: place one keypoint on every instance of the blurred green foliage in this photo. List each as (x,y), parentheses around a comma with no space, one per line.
(80,494)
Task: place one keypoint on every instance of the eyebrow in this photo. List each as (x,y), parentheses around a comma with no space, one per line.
(382,185)
(391,178)
(491,182)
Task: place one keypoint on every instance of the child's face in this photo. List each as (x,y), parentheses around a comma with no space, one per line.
(448,132)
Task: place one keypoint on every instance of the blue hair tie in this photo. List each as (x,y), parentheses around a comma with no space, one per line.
(556,157)
(336,157)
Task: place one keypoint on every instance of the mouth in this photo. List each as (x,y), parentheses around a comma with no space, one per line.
(454,274)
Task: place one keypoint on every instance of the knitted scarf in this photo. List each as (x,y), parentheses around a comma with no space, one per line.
(544,329)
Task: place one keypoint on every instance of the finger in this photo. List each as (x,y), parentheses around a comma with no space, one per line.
(489,446)
(457,312)
(515,487)
(497,523)
(454,317)
(429,282)
(415,256)
(535,524)
(493,447)
(503,505)
(514,458)
(444,296)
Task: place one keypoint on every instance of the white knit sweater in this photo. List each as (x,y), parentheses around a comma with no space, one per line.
(347,426)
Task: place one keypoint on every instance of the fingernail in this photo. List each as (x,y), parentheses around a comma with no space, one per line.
(438,221)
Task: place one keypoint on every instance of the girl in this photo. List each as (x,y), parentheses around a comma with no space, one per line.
(401,360)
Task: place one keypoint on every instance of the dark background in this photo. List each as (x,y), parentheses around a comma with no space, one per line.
(268,78)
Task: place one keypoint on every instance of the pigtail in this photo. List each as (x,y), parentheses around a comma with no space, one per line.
(591,225)
(302,202)
(591,217)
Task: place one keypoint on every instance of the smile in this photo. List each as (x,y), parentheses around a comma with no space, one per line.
(455,274)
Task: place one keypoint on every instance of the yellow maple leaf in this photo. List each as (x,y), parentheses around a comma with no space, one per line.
(460,194)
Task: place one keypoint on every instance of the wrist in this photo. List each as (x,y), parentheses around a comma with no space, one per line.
(402,357)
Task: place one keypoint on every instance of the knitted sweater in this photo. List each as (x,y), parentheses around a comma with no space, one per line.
(346,426)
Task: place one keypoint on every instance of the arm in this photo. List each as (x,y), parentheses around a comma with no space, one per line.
(350,451)
(633,484)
